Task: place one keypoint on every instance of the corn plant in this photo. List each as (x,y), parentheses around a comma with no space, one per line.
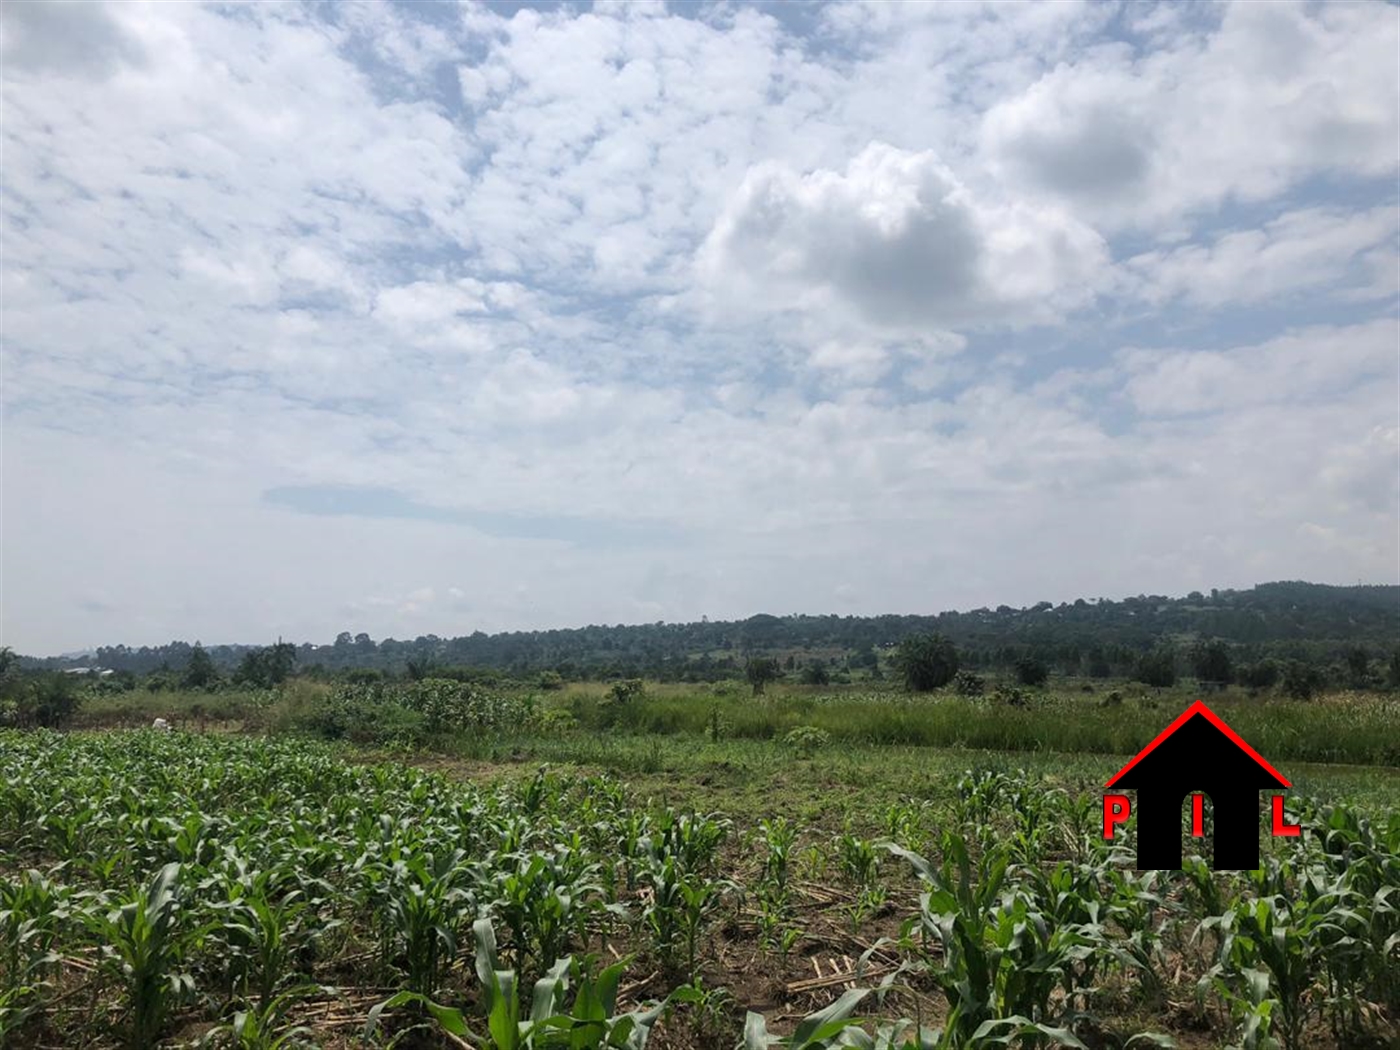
(265,936)
(1289,941)
(680,903)
(779,838)
(263,1027)
(859,860)
(32,910)
(1002,958)
(590,1022)
(545,901)
(144,947)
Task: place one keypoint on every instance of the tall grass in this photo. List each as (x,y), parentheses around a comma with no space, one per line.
(1364,731)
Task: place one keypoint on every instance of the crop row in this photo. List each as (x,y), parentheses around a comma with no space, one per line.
(158,887)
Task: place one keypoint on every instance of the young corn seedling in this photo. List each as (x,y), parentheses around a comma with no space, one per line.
(779,836)
(266,938)
(32,909)
(263,1027)
(428,904)
(1001,958)
(144,946)
(591,1022)
(680,904)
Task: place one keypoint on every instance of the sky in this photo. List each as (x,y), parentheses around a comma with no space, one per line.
(427,319)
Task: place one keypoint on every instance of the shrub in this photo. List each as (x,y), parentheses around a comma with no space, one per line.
(1261,675)
(556,720)
(759,671)
(965,683)
(1031,671)
(356,716)
(1156,668)
(806,739)
(46,700)
(1301,680)
(1010,696)
(926,662)
(627,691)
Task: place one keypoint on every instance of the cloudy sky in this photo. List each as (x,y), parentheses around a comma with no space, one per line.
(428,319)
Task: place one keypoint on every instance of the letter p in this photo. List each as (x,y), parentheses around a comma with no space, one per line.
(1115,810)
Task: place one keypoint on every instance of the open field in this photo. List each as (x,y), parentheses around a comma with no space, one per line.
(218,885)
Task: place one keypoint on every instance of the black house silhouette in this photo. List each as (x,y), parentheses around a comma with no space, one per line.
(1198,752)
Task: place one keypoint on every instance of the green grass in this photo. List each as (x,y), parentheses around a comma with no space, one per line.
(1347,728)
(1353,729)
(842,785)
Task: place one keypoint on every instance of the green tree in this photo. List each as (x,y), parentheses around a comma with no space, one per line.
(1358,667)
(1156,668)
(759,671)
(1211,662)
(267,667)
(1031,671)
(1300,680)
(1260,675)
(200,672)
(926,661)
(49,699)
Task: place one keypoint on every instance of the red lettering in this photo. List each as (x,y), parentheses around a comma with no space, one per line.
(1115,810)
(1282,830)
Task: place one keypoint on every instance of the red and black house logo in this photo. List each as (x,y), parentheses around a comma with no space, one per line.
(1197,755)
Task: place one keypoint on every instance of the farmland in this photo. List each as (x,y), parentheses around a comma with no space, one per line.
(682,868)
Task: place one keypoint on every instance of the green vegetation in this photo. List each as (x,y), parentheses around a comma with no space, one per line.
(162,888)
(1348,633)
(908,864)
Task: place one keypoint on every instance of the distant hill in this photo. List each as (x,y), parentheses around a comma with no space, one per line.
(1287,619)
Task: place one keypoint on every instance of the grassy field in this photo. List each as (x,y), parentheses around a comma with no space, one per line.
(741,855)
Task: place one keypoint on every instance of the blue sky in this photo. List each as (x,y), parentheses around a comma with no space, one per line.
(412,318)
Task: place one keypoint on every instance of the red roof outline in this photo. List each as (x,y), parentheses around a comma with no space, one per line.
(1199,708)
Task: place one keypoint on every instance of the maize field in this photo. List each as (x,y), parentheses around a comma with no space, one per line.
(178,889)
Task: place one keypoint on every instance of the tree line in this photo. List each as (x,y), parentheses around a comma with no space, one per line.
(1253,637)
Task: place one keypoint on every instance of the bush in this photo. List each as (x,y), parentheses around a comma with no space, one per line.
(926,662)
(551,680)
(1009,696)
(357,716)
(1030,671)
(1301,680)
(1261,675)
(759,671)
(1157,668)
(806,739)
(815,674)
(556,720)
(627,691)
(965,683)
(46,700)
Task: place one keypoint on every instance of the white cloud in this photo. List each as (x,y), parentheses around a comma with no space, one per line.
(1307,250)
(1312,365)
(1274,94)
(899,241)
